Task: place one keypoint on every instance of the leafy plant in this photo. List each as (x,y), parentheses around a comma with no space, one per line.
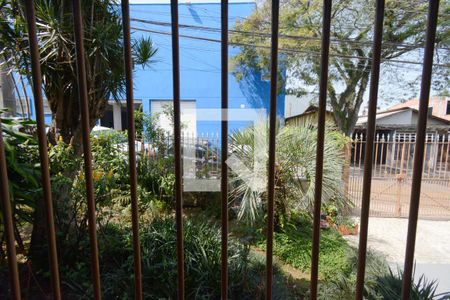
(293,245)
(294,171)
(381,283)
(21,153)
(389,286)
(202,242)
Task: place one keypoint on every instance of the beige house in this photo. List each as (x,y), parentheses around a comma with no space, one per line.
(309,116)
(438,106)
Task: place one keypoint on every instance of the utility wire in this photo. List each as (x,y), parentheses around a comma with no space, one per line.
(286,50)
(292,37)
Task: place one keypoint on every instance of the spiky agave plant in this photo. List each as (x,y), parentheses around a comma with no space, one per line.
(389,286)
(294,171)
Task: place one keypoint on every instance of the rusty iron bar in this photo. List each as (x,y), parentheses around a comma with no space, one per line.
(407,155)
(392,156)
(272,141)
(388,146)
(323,83)
(396,157)
(424,170)
(446,156)
(370,136)
(224,149)
(441,159)
(84,107)
(177,148)
(43,150)
(377,139)
(430,146)
(132,149)
(380,174)
(433,9)
(8,222)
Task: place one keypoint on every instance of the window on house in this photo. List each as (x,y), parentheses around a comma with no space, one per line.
(430,111)
(447,111)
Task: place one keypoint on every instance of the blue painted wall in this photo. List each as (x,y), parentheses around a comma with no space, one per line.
(199,62)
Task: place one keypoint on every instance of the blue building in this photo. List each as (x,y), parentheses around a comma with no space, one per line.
(199,65)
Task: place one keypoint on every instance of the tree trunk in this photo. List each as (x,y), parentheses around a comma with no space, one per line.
(38,252)
(347,104)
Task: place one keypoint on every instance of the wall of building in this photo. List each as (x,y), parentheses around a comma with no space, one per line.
(399,118)
(406,117)
(200,62)
(310,118)
(7,94)
(439,105)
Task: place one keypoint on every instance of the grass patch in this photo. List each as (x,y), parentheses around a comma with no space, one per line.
(293,246)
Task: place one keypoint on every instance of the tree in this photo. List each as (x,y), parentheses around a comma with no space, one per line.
(103,40)
(350,50)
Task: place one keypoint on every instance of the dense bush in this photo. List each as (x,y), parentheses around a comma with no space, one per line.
(202,264)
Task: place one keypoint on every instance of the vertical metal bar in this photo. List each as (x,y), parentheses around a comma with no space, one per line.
(361,141)
(441,159)
(371,126)
(272,138)
(8,222)
(177,148)
(381,156)
(407,156)
(433,9)
(435,152)
(224,146)
(84,107)
(132,149)
(431,154)
(42,139)
(388,146)
(324,57)
(376,154)
(397,156)
(446,156)
(394,147)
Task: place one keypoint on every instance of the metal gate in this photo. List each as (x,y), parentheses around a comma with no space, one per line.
(392,175)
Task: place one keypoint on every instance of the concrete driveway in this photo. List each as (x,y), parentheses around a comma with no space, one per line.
(388,237)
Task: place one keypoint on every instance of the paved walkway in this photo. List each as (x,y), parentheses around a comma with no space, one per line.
(432,253)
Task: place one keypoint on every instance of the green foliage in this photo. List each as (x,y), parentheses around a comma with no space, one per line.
(202,242)
(110,178)
(389,286)
(156,172)
(294,172)
(21,153)
(380,283)
(293,245)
